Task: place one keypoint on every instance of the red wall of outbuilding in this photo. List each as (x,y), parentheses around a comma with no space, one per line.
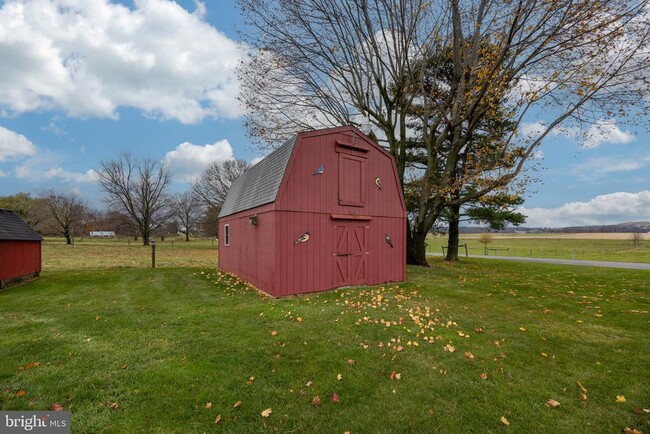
(308,202)
(19,258)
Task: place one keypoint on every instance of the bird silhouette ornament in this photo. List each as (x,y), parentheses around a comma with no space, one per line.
(303,238)
(320,170)
(378,183)
(389,241)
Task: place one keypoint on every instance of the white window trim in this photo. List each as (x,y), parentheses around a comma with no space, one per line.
(226,235)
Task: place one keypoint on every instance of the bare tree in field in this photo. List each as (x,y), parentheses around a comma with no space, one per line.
(66,212)
(140,189)
(187,207)
(440,68)
(213,184)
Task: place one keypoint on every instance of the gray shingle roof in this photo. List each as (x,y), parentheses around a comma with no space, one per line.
(13,228)
(260,184)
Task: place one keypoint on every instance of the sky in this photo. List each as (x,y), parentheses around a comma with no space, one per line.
(83,80)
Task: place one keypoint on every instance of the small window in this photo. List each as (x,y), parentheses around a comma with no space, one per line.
(226,235)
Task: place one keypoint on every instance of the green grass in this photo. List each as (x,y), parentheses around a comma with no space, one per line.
(621,250)
(164,343)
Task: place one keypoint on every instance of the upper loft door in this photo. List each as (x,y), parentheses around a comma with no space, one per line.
(351,176)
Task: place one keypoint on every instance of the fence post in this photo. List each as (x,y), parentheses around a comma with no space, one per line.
(466,254)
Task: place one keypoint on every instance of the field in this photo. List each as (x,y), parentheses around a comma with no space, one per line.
(617,247)
(467,347)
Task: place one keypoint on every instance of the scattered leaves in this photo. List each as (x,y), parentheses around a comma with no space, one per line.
(339,377)
(115,406)
(620,399)
(505,421)
(552,403)
(395,376)
(309,383)
(299,319)
(484,376)
(627,430)
(315,401)
(267,412)
(274,332)
(335,397)
(350,362)
(29,366)
(208,405)
(250,380)
(449,348)
(468,355)
(237,404)
(217,419)
(20,393)
(56,407)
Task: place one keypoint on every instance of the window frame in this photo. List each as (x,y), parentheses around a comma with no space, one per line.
(226,235)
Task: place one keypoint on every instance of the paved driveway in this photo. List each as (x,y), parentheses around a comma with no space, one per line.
(609,264)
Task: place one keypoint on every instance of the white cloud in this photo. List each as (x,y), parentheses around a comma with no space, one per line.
(58,173)
(606,131)
(13,145)
(90,57)
(604,209)
(595,168)
(45,166)
(188,161)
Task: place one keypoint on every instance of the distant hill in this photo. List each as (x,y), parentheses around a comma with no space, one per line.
(642,227)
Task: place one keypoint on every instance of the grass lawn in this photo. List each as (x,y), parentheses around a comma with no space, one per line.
(552,246)
(456,349)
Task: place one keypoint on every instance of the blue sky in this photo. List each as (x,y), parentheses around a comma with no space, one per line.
(83,80)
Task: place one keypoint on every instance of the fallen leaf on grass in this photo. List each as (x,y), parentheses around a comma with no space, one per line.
(274,332)
(484,376)
(97,318)
(299,319)
(552,403)
(29,366)
(350,362)
(208,405)
(267,412)
(315,401)
(479,330)
(504,421)
(523,329)
(627,430)
(217,419)
(309,383)
(56,407)
(335,397)
(620,399)
(339,377)
(583,392)
(395,376)
(20,393)
(250,380)
(448,348)
(468,355)
(115,406)
(237,404)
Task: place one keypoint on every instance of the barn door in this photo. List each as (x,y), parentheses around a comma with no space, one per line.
(350,255)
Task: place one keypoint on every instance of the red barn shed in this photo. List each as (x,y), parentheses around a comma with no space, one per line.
(20,249)
(323,210)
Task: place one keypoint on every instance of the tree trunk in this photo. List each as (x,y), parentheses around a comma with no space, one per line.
(454,231)
(66,234)
(416,253)
(187,235)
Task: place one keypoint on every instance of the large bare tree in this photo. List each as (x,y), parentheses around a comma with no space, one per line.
(66,212)
(561,65)
(213,184)
(140,189)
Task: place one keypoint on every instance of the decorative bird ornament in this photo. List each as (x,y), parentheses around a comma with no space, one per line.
(320,170)
(378,183)
(389,241)
(303,238)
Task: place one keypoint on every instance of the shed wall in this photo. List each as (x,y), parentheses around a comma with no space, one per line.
(19,258)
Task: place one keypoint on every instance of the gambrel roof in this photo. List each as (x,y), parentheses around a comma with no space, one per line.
(13,228)
(258,185)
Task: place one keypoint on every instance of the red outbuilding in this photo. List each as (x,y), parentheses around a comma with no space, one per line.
(324,210)
(20,249)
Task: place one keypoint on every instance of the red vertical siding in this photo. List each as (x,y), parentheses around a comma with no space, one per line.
(19,258)
(345,197)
